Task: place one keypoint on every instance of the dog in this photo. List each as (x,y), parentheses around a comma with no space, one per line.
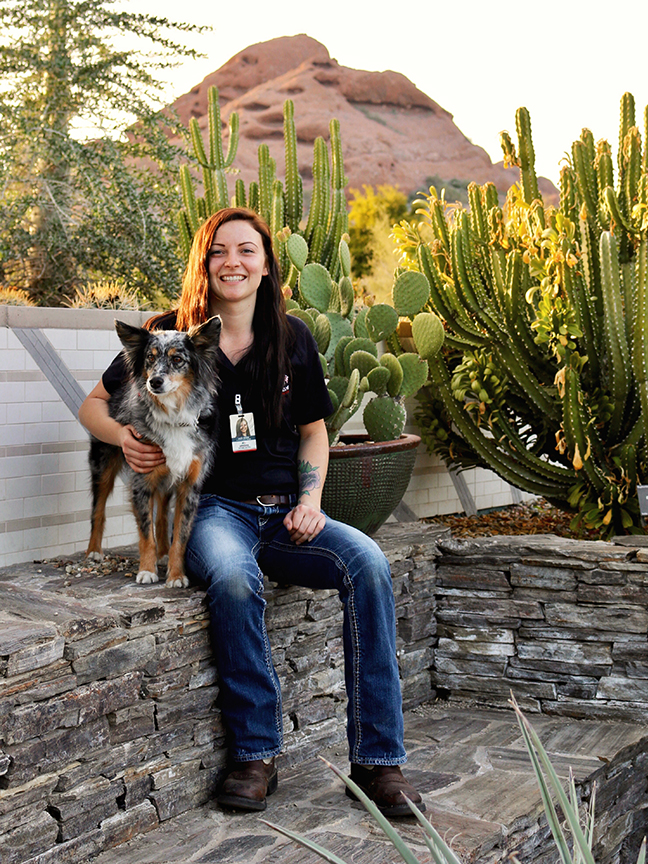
(169,400)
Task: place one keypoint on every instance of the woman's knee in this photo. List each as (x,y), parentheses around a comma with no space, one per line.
(364,548)
(360,556)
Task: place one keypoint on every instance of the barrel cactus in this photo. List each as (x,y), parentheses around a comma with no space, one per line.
(543,376)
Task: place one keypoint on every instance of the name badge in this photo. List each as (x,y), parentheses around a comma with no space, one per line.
(242,429)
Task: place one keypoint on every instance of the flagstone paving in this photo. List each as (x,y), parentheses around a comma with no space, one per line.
(469,764)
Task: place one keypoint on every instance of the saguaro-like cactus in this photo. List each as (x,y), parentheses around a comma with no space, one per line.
(280,204)
(544,375)
(214,180)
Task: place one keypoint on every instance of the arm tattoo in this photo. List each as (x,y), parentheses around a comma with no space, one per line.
(309,477)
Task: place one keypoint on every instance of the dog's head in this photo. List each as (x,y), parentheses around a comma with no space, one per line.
(167,361)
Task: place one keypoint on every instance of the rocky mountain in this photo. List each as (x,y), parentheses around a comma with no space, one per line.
(391,131)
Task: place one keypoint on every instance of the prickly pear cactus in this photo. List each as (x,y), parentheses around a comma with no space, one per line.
(384,418)
(410,293)
(428,334)
(381,321)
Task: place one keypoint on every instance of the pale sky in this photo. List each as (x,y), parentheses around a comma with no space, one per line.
(568,61)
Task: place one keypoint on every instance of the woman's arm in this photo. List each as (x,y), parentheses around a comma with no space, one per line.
(306,520)
(93,414)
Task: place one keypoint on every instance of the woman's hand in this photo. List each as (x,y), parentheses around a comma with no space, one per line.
(304,522)
(93,414)
(141,457)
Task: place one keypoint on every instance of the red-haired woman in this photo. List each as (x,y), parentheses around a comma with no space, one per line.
(260,514)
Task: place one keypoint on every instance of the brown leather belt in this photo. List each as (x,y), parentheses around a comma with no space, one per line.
(269,500)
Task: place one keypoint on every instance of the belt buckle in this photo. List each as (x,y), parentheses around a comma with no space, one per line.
(262,503)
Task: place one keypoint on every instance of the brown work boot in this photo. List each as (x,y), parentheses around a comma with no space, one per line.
(247,785)
(385,786)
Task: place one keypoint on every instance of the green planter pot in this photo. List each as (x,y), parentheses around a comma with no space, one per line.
(366,480)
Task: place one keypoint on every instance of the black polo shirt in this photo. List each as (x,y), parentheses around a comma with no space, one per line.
(272,467)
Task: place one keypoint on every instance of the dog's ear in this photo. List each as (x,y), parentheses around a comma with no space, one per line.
(206,335)
(134,339)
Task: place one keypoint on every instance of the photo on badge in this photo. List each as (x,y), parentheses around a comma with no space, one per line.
(242,431)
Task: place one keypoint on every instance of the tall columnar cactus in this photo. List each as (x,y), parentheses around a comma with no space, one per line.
(214,181)
(544,375)
(347,338)
(280,204)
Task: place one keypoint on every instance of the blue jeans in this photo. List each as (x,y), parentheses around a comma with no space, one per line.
(231,546)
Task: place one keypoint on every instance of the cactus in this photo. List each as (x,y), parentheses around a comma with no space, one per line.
(316,287)
(384,418)
(543,376)
(410,292)
(214,169)
(381,321)
(280,204)
(348,336)
(428,334)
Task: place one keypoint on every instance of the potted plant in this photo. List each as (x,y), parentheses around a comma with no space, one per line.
(368,474)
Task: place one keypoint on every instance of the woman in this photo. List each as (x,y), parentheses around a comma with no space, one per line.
(242,429)
(260,514)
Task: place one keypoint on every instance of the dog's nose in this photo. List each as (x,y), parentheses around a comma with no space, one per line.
(156,384)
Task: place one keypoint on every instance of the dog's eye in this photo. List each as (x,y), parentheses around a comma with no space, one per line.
(177,362)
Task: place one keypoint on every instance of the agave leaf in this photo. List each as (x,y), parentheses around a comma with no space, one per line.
(440,850)
(642,853)
(397,841)
(437,854)
(539,757)
(590,817)
(308,844)
(550,810)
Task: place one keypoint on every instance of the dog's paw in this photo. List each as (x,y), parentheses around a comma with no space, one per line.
(177,582)
(145,577)
(94,556)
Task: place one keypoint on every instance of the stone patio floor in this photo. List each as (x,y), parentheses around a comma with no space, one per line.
(469,764)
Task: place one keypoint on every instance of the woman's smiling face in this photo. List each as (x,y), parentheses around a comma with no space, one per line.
(236,263)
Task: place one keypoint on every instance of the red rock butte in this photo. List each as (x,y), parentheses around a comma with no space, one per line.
(391,131)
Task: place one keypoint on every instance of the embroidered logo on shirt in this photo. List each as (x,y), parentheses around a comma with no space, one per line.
(286,385)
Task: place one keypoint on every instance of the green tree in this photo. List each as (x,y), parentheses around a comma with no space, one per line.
(87,176)
(369,212)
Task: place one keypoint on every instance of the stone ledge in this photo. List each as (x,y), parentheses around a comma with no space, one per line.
(470,765)
(562,623)
(54,318)
(108,724)
(108,697)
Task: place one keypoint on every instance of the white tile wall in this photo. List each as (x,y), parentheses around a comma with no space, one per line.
(44,479)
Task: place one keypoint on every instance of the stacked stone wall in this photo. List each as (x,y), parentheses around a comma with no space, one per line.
(109,720)
(560,623)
